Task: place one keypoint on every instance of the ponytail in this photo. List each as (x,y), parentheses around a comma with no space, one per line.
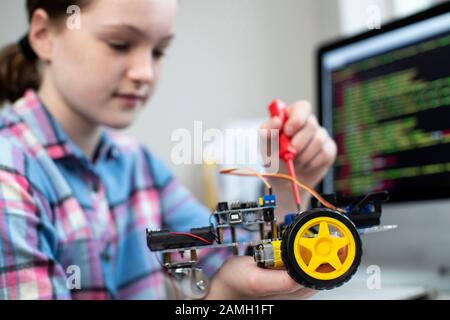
(18,72)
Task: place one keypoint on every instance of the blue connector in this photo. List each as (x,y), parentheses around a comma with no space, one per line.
(269,200)
(289,218)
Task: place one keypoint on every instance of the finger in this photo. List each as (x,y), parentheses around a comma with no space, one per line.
(303,138)
(300,294)
(326,156)
(313,148)
(272,124)
(265,282)
(297,114)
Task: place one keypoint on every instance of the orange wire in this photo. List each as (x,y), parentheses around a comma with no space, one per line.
(254,173)
(285,177)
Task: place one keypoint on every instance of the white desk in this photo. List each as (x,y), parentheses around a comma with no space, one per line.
(396,284)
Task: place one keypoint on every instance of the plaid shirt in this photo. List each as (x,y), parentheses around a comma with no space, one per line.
(61,213)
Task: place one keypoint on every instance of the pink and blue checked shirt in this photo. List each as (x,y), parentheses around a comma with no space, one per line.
(61,213)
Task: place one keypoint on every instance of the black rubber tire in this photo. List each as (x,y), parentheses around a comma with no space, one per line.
(287,250)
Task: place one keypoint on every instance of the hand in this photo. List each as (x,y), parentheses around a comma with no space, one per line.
(241,278)
(316,150)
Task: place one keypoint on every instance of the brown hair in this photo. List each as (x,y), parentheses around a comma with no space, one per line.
(18,66)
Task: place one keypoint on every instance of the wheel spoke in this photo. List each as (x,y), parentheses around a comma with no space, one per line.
(335,262)
(324,231)
(308,243)
(340,242)
(314,263)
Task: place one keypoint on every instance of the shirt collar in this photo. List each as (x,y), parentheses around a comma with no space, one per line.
(52,136)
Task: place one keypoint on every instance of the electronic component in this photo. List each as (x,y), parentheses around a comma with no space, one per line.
(269,203)
(246,212)
(268,255)
(222,206)
(235,217)
(164,239)
(364,211)
(268,200)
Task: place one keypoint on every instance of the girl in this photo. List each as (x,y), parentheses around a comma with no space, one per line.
(75,199)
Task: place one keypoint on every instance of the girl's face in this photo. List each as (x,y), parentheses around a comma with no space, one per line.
(108,69)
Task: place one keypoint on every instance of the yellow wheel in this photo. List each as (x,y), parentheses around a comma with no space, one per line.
(321,249)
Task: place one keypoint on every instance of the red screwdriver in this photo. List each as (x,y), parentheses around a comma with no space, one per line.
(287,153)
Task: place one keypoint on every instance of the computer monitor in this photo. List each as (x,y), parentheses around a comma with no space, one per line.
(384,96)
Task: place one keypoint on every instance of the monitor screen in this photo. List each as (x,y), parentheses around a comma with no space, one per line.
(385,98)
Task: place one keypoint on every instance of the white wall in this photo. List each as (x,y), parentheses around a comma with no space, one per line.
(12,21)
(356,15)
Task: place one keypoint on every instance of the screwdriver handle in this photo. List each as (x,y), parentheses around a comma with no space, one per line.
(278,109)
